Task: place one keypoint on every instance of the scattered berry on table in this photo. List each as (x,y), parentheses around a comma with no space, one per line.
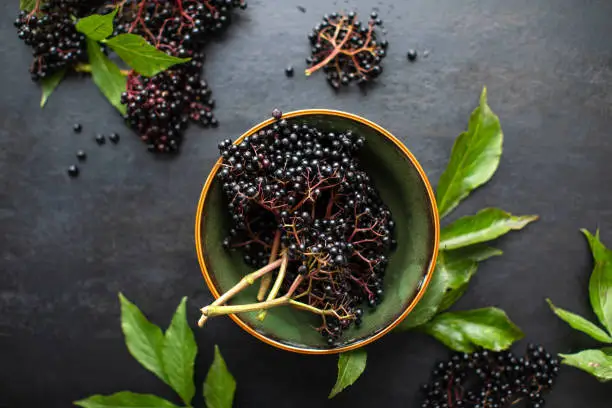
(77,128)
(100,139)
(289,71)
(412,55)
(114,138)
(73,171)
(81,155)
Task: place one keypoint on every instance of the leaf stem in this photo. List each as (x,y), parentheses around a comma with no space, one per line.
(240,286)
(87,68)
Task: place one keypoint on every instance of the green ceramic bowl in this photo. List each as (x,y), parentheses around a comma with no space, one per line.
(404,188)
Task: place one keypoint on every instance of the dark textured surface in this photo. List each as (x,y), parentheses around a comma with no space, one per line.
(68,246)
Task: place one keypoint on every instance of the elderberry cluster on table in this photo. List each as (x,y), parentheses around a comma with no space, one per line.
(306,185)
(160,108)
(346,50)
(50,32)
(488,379)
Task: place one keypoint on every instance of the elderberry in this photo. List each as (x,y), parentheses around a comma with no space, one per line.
(304,186)
(491,379)
(356,49)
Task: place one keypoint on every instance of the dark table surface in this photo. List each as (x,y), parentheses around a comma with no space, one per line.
(67,247)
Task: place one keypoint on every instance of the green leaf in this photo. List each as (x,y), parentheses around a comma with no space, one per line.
(144,340)
(179,353)
(580,323)
(125,399)
(489,328)
(600,284)
(28,5)
(474,158)
(107,76)
(476,253)
(460,271)
(428,306)
(97,26)
(142,56)
(485,225)
(454,269)
(595,362)
(350,367)
(219,386)
(49,84)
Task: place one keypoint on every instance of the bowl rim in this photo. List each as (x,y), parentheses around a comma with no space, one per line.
(432,261)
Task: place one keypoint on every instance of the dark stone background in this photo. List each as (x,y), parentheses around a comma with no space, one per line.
(68,246)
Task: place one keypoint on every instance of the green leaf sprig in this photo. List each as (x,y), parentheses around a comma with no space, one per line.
(474,159)
(597,362)
(133,49)
(171,357)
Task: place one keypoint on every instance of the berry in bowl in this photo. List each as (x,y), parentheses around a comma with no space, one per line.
(316,231)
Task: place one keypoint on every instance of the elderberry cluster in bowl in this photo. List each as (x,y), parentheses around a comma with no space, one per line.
(488,379)
(347,50)
(306,185)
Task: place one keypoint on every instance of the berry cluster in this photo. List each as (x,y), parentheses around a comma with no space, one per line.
(159,108)
(300,191)
(489,379)
(50,31)
(346,50)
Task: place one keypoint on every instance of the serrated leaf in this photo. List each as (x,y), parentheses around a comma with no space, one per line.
(97,26)
(143,339)
(488,328)
(580,323)
(600,283)
(107,76)
(454,270)
(179,353)
(485,225)
(474,158)
(595,362)
(350,367)
(219,386)
(125,399)
(49,84)
(142,56)
(428,306)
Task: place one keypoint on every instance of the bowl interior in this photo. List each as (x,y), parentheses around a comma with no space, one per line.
(402,188)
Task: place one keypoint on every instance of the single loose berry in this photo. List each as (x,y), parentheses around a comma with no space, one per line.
(73,171)
(100,139)
(289,71)
(77,128)
(277,114)
(412,55)
(114,138)
(81,155)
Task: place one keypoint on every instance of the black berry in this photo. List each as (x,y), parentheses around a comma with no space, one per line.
(412,55)
(100,139)
(81,155)
(289,71)
(77,128)
(73,171)
(114,138)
